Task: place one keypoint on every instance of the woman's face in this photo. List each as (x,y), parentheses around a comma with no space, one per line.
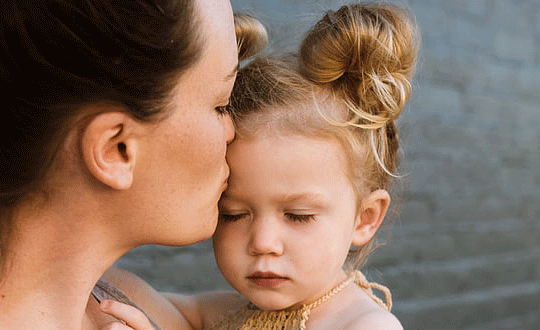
(183,171)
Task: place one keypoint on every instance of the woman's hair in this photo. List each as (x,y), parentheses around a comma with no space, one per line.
(349,82)
(59,55)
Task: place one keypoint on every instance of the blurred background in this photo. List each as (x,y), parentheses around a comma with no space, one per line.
(464,251)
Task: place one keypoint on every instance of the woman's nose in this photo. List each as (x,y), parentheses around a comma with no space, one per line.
(265,238)
(229,128)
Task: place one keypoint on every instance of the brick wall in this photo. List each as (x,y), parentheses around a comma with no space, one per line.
(464,253)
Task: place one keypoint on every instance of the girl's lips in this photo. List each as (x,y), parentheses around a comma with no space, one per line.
(267,279)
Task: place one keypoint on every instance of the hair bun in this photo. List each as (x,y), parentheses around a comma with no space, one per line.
(250,34)
(368,52)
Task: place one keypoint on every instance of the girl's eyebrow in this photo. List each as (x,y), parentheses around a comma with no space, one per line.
(311,197)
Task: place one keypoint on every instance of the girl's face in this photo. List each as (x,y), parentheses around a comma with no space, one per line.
(287,219)
(183,171)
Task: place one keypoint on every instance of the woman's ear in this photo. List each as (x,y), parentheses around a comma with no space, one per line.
(109,147)
(370,217)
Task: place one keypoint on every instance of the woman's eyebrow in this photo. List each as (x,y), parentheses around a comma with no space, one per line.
(232,75)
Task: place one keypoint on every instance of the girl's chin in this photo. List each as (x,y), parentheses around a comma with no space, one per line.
(265,306)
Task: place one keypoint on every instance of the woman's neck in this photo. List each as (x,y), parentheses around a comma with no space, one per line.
(57,259)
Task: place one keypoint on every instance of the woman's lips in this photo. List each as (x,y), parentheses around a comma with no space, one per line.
(267,279)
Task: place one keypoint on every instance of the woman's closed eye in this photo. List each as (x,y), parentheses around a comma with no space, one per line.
(222,110)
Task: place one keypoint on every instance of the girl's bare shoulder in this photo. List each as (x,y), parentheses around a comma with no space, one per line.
(369,314)
(354,309)
(376,320)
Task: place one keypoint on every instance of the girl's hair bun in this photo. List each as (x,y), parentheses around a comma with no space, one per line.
(251,35)
(367,53)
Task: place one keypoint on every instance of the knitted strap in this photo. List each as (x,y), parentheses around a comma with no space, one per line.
(330,293)
(252,318)
(361,281)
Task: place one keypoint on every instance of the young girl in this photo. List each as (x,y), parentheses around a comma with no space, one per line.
(315,149)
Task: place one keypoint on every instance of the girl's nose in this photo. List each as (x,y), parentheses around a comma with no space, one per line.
(265,238)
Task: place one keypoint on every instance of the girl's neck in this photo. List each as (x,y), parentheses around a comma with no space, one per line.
(349,305)
(325,316)
(56,263)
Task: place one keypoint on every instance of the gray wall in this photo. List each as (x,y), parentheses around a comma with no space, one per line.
(464,253)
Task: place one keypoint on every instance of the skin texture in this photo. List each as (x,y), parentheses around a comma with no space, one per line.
(290,210)
(182,165)
(119,183)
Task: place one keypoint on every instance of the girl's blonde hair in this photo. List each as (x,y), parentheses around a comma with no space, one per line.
(251,35)
(349,81)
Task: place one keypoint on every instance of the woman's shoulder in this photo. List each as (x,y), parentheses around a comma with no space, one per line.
(150,300)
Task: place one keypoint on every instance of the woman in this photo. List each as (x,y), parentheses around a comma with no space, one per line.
(117,139)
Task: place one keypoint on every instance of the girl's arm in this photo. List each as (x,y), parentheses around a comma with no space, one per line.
(130,318)
(152,302)
(199,310)
(204,309)
(172,311)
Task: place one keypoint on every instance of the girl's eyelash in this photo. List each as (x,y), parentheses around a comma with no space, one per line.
(291,216)
(230,217)
(300,217)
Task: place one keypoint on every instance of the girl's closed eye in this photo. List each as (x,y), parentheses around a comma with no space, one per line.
(226,217)
(298,217)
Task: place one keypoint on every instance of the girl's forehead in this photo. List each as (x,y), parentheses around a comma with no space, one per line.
(315,112)
(321,102)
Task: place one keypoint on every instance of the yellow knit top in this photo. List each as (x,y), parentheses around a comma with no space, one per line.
(250,317)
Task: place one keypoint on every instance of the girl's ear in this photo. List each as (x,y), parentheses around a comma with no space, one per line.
(109,148)
(372,211)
